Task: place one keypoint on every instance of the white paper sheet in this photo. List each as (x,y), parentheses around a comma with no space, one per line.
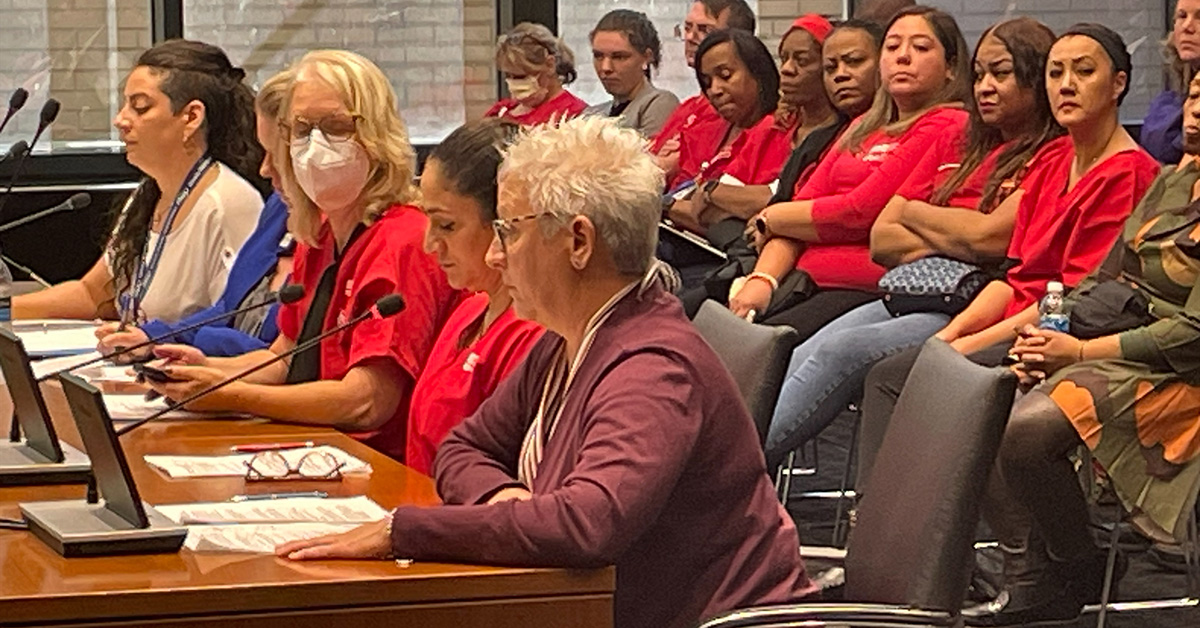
(258,539)
(126,407)
(57,340)
(235,464)
(41,368)
(353,510)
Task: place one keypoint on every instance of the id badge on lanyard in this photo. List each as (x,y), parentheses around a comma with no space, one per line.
(147,266)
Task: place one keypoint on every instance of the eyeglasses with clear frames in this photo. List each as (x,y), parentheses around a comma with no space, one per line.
(504,228)
(336,128)
(273,466)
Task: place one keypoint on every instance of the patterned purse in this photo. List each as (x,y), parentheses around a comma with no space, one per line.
(932,284)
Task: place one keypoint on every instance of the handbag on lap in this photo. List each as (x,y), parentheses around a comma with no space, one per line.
(932,284)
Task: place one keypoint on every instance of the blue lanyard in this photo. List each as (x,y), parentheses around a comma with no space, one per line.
(146,268)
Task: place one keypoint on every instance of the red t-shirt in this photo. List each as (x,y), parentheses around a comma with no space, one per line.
(762,155)
(1063,235)
(457,379)
(850,188)
(690,112)
(386,258)
(564,105)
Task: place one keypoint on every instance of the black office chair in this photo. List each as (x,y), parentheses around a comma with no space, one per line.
(909,558)
(756,355)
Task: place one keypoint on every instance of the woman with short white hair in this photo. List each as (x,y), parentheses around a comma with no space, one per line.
(621,439)
(349,183)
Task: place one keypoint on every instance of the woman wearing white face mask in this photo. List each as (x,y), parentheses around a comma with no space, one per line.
(351,191)
(535,65)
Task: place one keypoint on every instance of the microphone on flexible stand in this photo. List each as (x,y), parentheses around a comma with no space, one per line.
(48,115)
(290,293)
(77,201)
(15,102)
(389,305)
(16,151)
(25,269)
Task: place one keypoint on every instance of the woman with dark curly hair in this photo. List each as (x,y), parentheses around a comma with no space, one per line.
(625,50)
(188,124)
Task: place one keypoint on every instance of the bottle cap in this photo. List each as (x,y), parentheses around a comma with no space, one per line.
(1054,286)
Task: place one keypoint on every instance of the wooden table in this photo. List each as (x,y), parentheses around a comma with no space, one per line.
(39,587)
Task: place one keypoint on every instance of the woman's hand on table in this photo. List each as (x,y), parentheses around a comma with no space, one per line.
(371,540)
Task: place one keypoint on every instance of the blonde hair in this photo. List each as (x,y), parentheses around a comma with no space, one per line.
(590,166)
(528,45)
(365,91)
(1179,72)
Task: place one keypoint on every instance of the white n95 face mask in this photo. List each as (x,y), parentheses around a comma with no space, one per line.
(522,89)
(332,174)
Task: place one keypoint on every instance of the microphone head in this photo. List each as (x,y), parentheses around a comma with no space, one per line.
(20,147)
(78,201)
(49,112)
(17,100)
(291,293)
(390,305)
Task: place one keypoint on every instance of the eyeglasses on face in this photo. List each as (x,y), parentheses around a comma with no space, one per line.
(506,228)
(338,127)
(685,30)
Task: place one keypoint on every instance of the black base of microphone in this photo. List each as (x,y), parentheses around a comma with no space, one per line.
(22,465)
(74,528)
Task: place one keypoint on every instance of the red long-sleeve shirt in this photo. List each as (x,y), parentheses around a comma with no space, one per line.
(849,189)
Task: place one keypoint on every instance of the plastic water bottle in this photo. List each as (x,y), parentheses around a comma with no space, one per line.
(1053,314)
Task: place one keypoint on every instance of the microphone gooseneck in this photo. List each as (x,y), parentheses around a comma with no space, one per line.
(287,294)
(386,306)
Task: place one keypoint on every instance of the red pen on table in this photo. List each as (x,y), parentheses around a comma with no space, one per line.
(257,447)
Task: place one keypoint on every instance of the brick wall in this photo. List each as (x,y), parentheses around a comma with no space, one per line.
(438,53)
(76,50)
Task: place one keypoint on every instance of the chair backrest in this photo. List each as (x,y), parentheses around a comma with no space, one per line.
(756,355)
(913,540)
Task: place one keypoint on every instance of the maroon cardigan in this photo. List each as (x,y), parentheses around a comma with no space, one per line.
(655,467)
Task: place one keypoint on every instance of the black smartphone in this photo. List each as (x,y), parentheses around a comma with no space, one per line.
(147,372)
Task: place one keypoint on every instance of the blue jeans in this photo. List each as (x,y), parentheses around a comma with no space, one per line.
(826,372)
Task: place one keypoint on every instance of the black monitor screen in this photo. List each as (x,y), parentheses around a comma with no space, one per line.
(108,460)
(29,407)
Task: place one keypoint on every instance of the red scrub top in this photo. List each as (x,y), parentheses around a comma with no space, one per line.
(457,379)
(849,189)
(944,159)
(1063,235)
(387,257)
(762,155)
(690,112)
(564,105)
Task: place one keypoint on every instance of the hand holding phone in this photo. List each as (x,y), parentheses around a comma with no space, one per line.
(150,373)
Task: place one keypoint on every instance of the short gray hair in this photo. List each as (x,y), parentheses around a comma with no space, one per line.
(589,166)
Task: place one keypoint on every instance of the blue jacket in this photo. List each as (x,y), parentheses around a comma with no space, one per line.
(258,257)
(1162,130)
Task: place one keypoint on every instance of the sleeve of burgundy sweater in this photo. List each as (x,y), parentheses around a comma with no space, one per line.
(637,432)
(848,217)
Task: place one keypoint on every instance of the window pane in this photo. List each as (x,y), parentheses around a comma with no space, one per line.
(1140,23)
(437,53)
(76,52)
